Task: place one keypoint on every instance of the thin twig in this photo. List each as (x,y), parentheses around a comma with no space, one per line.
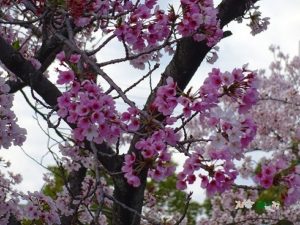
(101,46)
(100,199)
(185,122)
(247,187)
(187,204)
(156,66)
(279,100)
(20,22)
(130,209)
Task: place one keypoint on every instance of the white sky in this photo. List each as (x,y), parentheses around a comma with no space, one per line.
(235,51)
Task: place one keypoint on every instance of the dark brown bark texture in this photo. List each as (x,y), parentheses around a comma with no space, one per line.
(187,58)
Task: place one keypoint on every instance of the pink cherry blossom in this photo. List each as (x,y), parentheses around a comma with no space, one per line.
(65,77)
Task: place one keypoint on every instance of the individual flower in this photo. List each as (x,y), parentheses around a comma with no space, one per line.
(248,204)
(65,77)
(239,204)
(74,58)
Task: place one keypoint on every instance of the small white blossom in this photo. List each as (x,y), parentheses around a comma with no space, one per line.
(239,204)
(275,205)
(248,204)
(269,208)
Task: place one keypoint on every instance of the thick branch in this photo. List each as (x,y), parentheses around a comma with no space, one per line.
(13,221)
(230,10)
(24,70)
(45,55)
(75,179)
(130,196)
(48,51)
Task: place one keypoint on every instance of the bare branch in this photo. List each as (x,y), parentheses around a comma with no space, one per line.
(188,199)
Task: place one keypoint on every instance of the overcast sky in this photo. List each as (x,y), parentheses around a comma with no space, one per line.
(236,50)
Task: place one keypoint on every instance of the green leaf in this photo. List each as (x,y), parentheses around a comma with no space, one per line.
(16,45)
(266,197)
(51,189)
(284,222)
(259,206)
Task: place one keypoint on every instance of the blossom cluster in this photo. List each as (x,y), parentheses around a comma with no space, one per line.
(87,106)
(41,209)
(166,99)
(75,157)
(240,205)
(129,173)
(10,132)
(230,132)
(220,177)
(249,203)
(258,24)
(63,201)
(200,21)
(230,129)
(130,119)
(268,171)
(142,22)
(278,134)
(244,204)
(8,196)
(36,207)
(239,86)
(148,25)
(155,154)
(279,94)
(92,192)
(221,151)
(143,26)
(280,172)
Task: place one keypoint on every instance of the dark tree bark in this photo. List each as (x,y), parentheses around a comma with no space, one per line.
(13,221)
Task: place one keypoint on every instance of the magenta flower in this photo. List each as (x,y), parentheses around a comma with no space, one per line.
(65,77)
(61,56)
(74,58)
(266,181)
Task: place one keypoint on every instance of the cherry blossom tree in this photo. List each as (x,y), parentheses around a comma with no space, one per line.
(274,196)
(106,156)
